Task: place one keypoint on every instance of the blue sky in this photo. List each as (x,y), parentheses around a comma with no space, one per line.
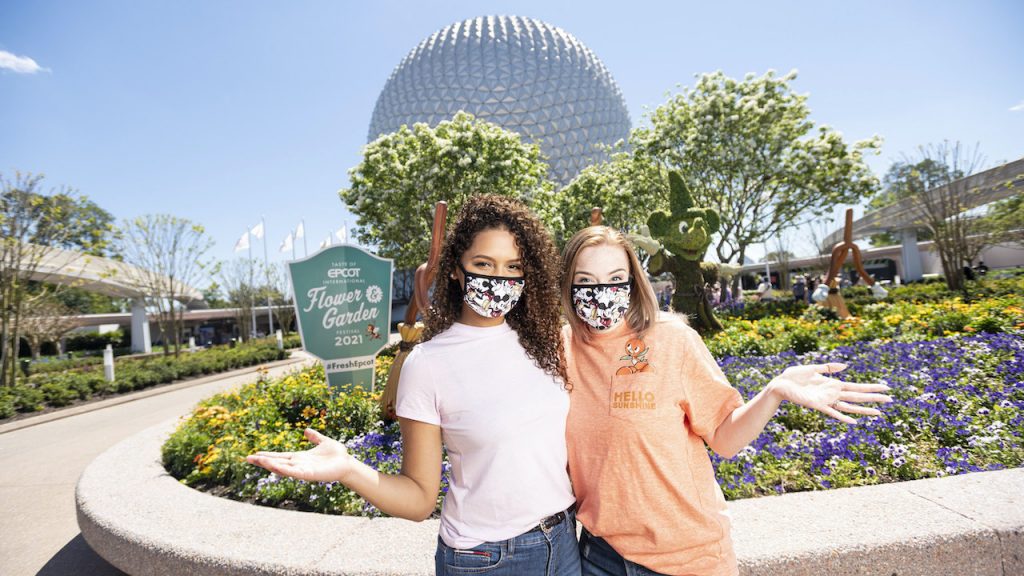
(226,111)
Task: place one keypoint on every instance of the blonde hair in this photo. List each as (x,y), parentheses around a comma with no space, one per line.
(643,304)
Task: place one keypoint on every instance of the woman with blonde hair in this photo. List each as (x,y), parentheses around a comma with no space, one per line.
(647,400)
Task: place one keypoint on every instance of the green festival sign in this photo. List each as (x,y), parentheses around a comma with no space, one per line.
(343,307)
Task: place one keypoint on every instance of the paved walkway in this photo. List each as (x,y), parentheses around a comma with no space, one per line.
(41,463)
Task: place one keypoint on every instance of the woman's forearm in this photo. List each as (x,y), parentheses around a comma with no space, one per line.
(745,423)
(396,495)
(412,494)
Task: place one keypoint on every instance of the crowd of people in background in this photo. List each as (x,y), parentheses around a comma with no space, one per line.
(719,293)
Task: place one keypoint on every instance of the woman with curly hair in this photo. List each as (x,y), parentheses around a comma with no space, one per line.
(648,400)
(489,383)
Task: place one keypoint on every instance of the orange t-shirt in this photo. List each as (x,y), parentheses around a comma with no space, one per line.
(638,463)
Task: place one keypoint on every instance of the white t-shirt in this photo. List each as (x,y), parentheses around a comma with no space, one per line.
(502,420)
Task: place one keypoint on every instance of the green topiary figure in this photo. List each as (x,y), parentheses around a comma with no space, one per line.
(685,235)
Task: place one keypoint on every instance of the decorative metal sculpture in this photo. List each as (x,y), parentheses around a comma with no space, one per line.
(834,299)
(410,329)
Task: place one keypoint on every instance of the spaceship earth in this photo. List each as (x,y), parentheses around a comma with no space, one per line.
(522,74)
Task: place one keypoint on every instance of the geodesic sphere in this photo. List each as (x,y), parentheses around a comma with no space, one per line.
(521,74)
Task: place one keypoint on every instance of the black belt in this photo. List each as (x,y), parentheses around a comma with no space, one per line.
(550,522)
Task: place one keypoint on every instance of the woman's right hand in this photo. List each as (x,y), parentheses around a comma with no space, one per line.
(327,461)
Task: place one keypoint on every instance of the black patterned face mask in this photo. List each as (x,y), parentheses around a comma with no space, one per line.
(602,306)
(492,296)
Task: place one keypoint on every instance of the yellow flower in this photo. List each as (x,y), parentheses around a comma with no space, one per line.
(893,319)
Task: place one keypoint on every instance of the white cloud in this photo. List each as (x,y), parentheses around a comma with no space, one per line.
(18,64)
(1018,108)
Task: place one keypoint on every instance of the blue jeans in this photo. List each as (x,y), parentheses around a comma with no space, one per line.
(598,558)
(549,553)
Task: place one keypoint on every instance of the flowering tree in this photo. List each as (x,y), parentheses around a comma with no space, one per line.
(748,149)
(627,187)
(405,173)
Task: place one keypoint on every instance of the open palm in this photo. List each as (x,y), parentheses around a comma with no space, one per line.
(813,387)
(327,461)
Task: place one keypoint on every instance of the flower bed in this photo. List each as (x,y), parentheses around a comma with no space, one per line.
(958,407)
(84,381)
(902,320)
(1011,282)
(208,449)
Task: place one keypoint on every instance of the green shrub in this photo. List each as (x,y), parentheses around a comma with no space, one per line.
(8,406)
(801,341)
(86,341)
(755,310)
(57,383)
(951,322)
(48,365)
(819,314)
(57,394)
(292,341)
(181,449)
(991,324)
(27,398)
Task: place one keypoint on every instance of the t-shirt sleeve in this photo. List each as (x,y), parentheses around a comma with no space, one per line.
(708,398)
(417,391)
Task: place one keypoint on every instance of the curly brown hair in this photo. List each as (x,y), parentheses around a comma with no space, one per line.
(535,318)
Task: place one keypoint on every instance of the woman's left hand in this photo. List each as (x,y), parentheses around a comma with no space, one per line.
(813,387)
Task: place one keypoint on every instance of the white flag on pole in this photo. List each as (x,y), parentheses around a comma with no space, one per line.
(326,242)
(243,242)
(257,231)
(300,232)
(286,246)
(342,234)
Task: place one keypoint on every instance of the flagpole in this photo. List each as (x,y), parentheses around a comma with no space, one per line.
(252,308)
(266,268)
(305,249)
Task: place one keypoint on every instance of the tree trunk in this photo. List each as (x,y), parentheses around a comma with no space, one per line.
(15,345)
(4,346)
(737,280)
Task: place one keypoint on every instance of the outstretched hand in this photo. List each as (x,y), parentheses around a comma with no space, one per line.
(813,387)
(327,461)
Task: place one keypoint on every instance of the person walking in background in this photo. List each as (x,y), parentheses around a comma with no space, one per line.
(648,400)
(666,297)
(764,289)
(799,290)
(812,283)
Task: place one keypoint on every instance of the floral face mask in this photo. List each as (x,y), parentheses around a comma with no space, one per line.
(602,306)
(492,296)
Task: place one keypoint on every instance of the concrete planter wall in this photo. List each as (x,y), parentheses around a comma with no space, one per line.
(144,522)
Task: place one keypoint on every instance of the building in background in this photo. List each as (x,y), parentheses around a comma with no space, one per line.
(522,74)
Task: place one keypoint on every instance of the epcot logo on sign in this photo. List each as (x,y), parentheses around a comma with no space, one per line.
(343,308)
